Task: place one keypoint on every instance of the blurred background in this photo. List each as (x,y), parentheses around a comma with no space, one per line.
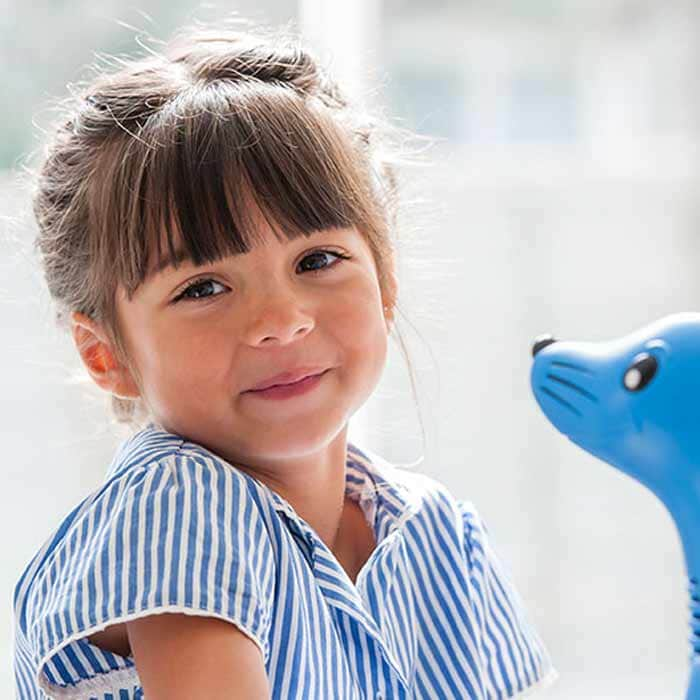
(560,196)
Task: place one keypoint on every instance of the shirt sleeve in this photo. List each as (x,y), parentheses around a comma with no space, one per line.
(181,534)
(516,659)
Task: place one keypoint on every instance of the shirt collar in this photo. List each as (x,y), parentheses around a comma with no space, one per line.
(377,485)
(383,491)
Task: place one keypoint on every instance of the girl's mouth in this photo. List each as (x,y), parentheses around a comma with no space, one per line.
(285,391)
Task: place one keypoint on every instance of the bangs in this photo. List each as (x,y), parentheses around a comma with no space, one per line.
(215,164)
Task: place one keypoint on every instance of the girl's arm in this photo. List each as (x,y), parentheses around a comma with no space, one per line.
(180,657)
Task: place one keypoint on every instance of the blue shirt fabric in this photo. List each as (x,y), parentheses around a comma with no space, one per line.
(175,528)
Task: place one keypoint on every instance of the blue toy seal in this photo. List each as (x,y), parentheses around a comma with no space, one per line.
(634,402)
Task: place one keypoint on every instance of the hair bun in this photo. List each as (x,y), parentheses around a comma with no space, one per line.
(228,55)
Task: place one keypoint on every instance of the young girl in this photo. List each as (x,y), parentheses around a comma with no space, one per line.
(215,223)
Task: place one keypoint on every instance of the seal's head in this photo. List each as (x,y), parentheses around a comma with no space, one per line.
(633,401)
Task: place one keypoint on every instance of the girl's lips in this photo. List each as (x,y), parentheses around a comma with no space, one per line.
(288,377)
(284,391)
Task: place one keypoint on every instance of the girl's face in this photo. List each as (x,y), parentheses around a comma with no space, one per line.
(201,347)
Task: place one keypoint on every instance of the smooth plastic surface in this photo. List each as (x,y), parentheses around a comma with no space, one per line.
(634,402)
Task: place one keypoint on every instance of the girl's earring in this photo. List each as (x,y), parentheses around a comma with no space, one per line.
(388,315)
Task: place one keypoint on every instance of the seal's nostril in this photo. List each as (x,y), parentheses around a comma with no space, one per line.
(542,341)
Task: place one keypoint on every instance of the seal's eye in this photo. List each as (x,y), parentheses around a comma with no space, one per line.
(640,372)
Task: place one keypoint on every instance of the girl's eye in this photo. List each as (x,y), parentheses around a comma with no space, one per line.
(200,283)
(203,282)
(318,255)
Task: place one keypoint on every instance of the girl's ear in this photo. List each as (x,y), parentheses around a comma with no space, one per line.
(99,359)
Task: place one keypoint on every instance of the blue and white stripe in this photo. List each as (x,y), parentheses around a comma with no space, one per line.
(433,613)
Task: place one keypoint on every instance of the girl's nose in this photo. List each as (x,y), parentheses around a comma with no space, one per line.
(281,322)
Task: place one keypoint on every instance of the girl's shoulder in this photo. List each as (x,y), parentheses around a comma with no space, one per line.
(172,527)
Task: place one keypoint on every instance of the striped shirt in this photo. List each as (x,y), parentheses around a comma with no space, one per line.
(175,528)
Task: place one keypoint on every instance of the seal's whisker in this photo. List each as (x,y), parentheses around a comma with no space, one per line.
(568,365)
(575,387)
(561,401)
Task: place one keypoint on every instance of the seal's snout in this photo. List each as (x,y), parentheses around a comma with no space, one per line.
(541,342)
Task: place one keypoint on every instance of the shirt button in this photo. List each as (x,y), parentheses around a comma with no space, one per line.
(379,696)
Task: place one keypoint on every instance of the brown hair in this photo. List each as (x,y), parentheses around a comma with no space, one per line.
(192,139)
